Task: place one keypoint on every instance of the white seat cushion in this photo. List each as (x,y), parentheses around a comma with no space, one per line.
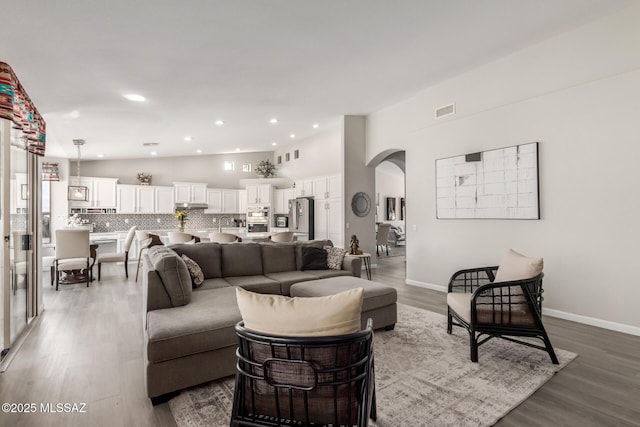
(460,302)
(111,257)
(73,263)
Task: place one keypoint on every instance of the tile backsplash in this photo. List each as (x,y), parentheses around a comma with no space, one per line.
(196,220)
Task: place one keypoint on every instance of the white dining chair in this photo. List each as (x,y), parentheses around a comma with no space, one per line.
(285,236)
(118,256)
(219,237)
(73,252)
(180,237)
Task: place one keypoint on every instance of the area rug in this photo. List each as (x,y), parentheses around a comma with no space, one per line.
(423,378)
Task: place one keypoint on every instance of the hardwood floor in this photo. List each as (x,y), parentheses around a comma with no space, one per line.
(87,347)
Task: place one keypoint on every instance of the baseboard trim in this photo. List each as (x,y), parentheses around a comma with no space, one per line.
(425,285)
(592,321)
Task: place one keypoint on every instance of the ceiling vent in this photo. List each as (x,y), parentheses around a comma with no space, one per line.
(445,111)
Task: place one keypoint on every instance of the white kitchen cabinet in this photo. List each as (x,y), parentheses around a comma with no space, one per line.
(214,200)
(165,200)
(102,192)
(327,187)
(242,201)
(190,192)
(126,199)
(304,188)
(282,197)
(145,199)
(230,201)
(328,221)
(259,194)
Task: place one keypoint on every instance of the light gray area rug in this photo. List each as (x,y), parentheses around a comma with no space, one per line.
(423,378)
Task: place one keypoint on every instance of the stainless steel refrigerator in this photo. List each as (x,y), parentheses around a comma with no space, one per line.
(301,218)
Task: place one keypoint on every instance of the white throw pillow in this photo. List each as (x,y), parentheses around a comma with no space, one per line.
(337,314)
(515,266)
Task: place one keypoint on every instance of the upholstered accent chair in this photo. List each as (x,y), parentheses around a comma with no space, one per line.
(304,380)
(489,306)
(118,256)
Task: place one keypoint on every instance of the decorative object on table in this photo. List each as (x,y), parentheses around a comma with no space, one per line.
(361,204)
(494,184)
(76,221)
(354,246)
(418,356)
(144,179)
(182,218)
(265,169)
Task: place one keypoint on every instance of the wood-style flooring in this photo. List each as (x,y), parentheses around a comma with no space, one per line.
(87,348)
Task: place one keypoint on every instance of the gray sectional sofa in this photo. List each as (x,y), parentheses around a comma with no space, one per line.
(189,334)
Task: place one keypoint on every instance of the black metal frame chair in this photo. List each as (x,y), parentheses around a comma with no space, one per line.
(304,380)
(503,310)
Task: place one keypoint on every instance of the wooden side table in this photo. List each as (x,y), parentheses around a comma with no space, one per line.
(366,259)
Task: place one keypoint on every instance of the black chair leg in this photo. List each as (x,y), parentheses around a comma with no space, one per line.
(474,346)
(126,268)
(99,270)
(51,273)
(89,273)
(449,323)
(57,276)
(549,347)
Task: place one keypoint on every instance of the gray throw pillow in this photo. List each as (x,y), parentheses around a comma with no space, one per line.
(197,277)
(335,257)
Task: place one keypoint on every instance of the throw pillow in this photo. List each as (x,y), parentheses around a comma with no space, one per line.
(154,240)
(515,266)
(335,257)
(337,314)
(314,259)
(197,277)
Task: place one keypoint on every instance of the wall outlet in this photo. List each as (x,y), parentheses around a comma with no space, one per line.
(126,220)
(348,225)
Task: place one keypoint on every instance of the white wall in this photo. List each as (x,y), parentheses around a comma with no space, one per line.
(578,94)
(166,170)
(320,155)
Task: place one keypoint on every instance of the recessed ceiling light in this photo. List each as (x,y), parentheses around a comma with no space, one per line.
(198,151)
(100,155)
(72,115)
(219,122)
(150,144)
(188,138)
(316,126)
(274,143)
(273,121)
(153,153)
(134,97)
(293,135)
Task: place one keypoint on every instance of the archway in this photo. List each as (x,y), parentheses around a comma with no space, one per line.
(390,191)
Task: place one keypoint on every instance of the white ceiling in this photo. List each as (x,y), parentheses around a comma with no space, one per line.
(245,62)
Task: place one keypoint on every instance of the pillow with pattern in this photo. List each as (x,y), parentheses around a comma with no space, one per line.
(335,257)
(197,277)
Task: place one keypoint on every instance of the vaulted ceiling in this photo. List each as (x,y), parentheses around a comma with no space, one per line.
(245,62)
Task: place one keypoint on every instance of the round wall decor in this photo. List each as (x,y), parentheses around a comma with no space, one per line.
(361,204)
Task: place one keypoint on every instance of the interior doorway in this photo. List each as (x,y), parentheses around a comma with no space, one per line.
(391,208)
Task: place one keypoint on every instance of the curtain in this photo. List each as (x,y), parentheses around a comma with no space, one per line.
(15,105)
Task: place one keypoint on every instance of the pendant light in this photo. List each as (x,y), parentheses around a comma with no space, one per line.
(78,192)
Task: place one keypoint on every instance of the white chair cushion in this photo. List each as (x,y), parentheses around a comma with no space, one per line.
(337,314)
(111,257)
(73,263)
(460,302)
(515,266)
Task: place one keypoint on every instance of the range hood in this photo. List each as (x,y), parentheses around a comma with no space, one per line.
(192,206)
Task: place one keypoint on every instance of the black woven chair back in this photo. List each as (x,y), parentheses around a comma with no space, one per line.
(303,381)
